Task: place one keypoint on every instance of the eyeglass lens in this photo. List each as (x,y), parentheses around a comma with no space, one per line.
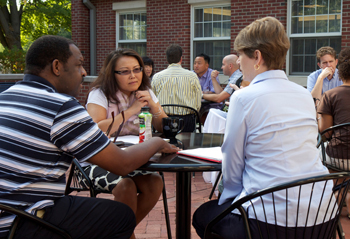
(128,72)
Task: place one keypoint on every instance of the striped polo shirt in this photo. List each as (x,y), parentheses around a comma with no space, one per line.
(41,131)
(176,85)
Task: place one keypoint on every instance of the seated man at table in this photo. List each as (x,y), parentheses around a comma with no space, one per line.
(43,127)
(327,76)
(270,141)
(176,85)
(229,68)
(209,81)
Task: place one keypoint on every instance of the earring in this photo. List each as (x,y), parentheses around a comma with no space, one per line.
(256,67)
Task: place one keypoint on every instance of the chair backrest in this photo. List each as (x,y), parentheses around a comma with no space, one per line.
(188,114)
(336,147)
(316,207)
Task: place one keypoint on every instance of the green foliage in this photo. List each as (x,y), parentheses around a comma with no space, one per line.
(12,61)
(48,17)
(36,18)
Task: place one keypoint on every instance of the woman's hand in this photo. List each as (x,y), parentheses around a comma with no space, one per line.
(136,106)
(144,96)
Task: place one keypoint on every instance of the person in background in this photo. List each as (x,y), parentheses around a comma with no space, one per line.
(229,68)
(176,85)
(43,127)
(334,109)
(271,139)
(149,66)
(123,87)
(327,76)
(208,78)
(210,84)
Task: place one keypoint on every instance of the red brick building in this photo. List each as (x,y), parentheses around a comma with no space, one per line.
(208,26)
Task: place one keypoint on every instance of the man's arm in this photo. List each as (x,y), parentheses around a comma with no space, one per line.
(216,97)
(122,162)
(196,90)
(74,132)
(217,88)
(316,92)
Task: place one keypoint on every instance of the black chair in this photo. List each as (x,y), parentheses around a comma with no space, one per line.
(218,178)
(323,230)
(188,114)
(22,215)
(336,147)
(79,181)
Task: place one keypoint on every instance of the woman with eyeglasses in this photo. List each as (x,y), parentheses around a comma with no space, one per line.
(123,86)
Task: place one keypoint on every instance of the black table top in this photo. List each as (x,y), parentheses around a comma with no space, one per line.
(177,163)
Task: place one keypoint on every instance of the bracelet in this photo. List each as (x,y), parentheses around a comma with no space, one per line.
(159,112)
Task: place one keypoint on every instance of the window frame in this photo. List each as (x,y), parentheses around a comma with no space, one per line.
(304,36)
(125,8)
(202,4)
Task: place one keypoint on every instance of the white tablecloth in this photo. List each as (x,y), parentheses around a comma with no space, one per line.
(215,121)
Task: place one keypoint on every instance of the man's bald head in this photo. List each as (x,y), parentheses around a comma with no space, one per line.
(229,64)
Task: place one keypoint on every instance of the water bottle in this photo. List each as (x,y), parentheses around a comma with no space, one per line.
(145,120)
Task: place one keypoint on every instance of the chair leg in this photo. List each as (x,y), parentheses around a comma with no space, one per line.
(215,184)
(166,211)
(340,231)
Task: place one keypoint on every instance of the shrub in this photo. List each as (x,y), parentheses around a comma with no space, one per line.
(12,60)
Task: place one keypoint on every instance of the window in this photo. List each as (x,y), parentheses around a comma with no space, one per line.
(211,33)
(313,24)
(132,31)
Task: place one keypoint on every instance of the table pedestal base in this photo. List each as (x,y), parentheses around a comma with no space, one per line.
(183,205)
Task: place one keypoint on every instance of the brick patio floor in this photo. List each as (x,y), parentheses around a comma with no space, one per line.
(153,226)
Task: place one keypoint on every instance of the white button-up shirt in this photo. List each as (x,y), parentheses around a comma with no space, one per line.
(270,138)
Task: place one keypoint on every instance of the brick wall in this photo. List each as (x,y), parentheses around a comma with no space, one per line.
(81,30)
(245,12)
(83,93)
(168,22)
(345,39)
(106,29)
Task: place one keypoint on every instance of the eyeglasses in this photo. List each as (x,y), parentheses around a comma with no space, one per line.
(128,72)
(120,126)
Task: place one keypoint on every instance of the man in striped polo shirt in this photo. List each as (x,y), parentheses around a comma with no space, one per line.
(176,85)
(42,128)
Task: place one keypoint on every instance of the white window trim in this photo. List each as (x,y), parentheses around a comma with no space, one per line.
(205,3)
(305,35)
(124,8)
(127,6)
(208,2)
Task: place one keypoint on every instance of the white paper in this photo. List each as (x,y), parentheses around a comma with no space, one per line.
(212,154)
(133,139)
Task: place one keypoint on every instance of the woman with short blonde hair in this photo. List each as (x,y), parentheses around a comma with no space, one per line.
(270,138)
(269,37)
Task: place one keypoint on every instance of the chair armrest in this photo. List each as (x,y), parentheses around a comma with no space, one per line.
(89,185)
(22,214)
